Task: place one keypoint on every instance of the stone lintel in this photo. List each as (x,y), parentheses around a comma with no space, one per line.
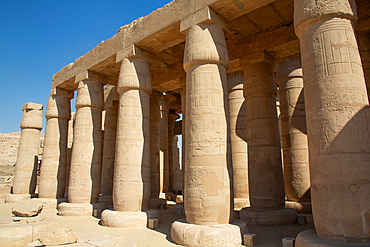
(134,51)
(257,57)
(32,106)
(56,91)
(89,75)
(205,15)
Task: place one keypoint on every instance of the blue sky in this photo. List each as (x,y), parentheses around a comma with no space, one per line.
(38,38)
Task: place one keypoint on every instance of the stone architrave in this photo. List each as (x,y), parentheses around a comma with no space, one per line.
(131,184)
(238,136)
(337,113)
(294,134)
(27,160)
(208,197)
(85,169)
(172,116)
(109,146)
(163,143)
(266,182)
(54,159)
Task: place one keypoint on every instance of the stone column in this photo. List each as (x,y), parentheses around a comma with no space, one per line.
(337,113)
(172,116)
(184,131)
(53,169)
(163,142)
(238,134)
(109,147)
(71,124)
(266,183)
(294,134)
(208,195)
(85,170)
(155,177)
(131,184)
(28,150)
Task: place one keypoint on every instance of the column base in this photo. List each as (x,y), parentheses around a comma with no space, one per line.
(108,200)
(51,202)
(300,207)
(240,203)
(268,217)
(15,198)
(113,218)
(156,202)
(309,238)
(75,209)
(187,234)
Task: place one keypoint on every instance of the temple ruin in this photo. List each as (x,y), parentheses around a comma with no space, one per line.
(223,65)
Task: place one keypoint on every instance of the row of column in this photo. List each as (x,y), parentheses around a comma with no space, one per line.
(336,107)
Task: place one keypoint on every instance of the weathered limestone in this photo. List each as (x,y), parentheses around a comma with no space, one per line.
(172,116)
(293,132)
(266,183)
(238,135)
(27,208)
(71,125)
(163,142)
(208,195)
(85,170)
(53,169)
(155,180)
(131,184)
(337,113)
(109,147)
(183,144)
(27,160)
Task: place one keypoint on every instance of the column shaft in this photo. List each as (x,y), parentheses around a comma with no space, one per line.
(109,147)
(155,119)
(28,150)
(337,113)
(163,140)
(238,134)
(172,116)
(207,180)
(85,170)
(266,184)
(54,160)
(294,133)
(131,188)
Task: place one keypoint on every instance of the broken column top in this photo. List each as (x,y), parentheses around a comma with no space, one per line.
(32,116)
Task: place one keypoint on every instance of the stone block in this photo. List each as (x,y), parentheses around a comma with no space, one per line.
(179,199)
(153,223)
(162,206)
(288,242)
(56,234)
(249,239)
(27,208)
(97,213)
(15,236)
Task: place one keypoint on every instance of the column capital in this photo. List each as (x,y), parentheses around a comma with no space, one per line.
(203,16)
(258,57)
(288,67)
(89,75)
(111,96)
(32,116)
(55,91)
(307,12)
(133,51)
(235,80)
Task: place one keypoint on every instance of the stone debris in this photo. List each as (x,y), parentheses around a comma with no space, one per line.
(27,208)
(56,234)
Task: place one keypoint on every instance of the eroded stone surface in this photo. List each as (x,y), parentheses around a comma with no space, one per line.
(56,234)
(27,208)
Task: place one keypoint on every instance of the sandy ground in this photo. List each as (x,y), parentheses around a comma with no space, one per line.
(86,227)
